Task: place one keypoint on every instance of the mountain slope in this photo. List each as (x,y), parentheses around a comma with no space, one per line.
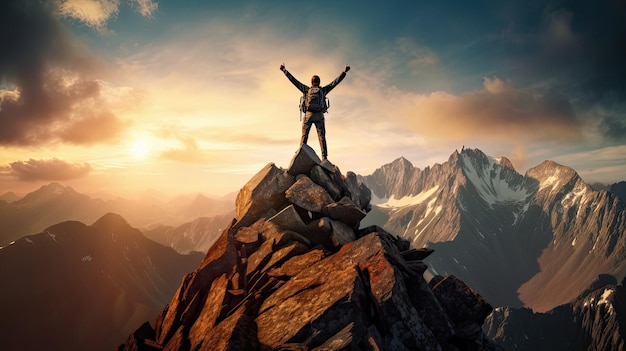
(483,216)
(79,287)
(596,320)
(197,235)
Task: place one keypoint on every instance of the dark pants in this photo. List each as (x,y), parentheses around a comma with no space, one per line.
(318,120)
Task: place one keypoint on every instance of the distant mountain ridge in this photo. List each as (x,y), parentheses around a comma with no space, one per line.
(84,287)
(197,235)
(531,232)
(54,203)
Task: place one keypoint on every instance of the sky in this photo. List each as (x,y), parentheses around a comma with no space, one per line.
(121,96)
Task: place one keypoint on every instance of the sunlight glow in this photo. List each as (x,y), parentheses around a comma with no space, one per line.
(140,149)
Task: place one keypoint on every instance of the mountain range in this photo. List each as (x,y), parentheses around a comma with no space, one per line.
(293,272)
(84,287)
(54,203)
(536,240)
(545,248)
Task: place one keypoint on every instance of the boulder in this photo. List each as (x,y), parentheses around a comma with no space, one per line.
(345,211)
(303,161)
(289,218)
(319,176)
(341,233)
(263,193)
(308,195)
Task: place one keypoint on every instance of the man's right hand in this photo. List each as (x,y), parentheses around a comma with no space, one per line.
(282,67)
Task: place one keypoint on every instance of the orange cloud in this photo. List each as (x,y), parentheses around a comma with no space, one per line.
(499,112)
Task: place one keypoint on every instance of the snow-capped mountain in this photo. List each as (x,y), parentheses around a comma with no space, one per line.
(80,287)
(503,232)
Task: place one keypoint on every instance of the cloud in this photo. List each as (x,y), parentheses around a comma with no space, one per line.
(499,112)
(614,127)
(145,7)
(187,150)
(93,13)
(96,13)
(49,170)
(47,78)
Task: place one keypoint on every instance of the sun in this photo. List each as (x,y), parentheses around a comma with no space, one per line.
(140,149)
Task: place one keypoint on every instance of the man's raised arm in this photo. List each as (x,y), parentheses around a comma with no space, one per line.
(303,88)
(337,80)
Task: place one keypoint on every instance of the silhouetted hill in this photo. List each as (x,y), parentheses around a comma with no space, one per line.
(80,287)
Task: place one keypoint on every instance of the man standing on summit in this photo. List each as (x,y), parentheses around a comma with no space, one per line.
(314,105)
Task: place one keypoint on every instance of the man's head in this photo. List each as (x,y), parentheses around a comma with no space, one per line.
(315,80)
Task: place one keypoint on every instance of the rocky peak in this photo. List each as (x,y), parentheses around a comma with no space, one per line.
(505,162)
(294,271)
(552,172)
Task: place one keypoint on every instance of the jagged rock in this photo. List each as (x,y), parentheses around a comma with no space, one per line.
(303,161)
(220,259)
(289,218)
(345,211)
(341,233)
(264,192)
(320,232)
(308,195)
(296,264)
(319,176)
(141,339)
(465,307)
(300,282)
(209,314)
(248,238)
(417,254)
(237,333)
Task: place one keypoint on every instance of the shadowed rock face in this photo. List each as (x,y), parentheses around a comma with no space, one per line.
(294,272)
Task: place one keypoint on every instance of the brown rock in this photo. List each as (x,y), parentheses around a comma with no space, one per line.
(320,232)
(345,211)
(296,264)
(289,218)
(211,310)
(319,176)
(238,332)
(220,259)
(263,193)
(303,161)
(308,195)
(341,233)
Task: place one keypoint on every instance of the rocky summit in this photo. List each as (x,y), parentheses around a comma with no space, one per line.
(294,271)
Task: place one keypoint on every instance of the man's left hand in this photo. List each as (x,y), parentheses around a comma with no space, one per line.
(346,69)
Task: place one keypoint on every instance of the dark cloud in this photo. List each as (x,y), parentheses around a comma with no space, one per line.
(44,76)
(49,170)
(614,128)
(578,46)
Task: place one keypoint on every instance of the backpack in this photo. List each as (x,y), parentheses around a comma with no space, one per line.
(314,100)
